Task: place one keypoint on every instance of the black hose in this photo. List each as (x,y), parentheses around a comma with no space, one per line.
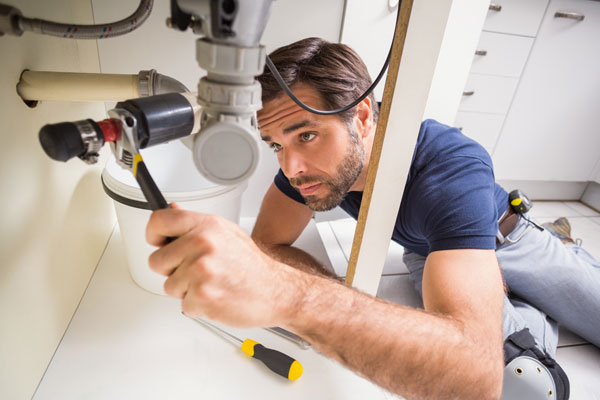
(288,91)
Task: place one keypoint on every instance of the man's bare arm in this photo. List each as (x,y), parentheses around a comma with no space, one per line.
(296,258)
(451,350)
(280,222)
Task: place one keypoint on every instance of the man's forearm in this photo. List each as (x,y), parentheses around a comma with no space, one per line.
(407,351)
(297,258)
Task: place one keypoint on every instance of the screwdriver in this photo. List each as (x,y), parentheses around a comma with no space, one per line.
(276,361)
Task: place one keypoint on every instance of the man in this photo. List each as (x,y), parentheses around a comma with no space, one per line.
(447,222)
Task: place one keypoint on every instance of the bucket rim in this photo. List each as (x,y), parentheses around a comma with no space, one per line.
(132,196)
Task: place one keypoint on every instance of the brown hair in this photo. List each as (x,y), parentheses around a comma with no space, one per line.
(333,69)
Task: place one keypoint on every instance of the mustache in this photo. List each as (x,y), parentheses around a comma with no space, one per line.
(306,180)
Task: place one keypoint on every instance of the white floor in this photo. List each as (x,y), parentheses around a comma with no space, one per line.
(579,359)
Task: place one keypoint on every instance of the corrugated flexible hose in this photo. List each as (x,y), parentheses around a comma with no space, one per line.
(100,31)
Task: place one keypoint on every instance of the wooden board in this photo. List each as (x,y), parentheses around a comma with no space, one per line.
(384,114)
(433,48)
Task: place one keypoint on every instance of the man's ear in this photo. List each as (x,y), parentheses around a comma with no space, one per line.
(364,117)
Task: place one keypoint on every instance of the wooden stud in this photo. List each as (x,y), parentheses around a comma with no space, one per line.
(384,114)
(421,29)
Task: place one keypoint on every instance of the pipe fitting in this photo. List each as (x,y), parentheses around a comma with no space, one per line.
(9,21)
(151,82)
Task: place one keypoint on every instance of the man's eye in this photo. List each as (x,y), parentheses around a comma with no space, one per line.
(275,146)
(307,136)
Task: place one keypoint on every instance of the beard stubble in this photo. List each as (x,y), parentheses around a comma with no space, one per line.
(346,174)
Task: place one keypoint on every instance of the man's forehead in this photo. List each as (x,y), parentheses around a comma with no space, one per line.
(279,116)
(286,124)
(278,111)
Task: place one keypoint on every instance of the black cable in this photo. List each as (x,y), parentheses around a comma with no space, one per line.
(287,90)
(531,222)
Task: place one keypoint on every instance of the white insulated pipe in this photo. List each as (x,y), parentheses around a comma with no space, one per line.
(73,86)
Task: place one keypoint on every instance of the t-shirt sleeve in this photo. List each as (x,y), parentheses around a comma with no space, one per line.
(283,184)
(457,205)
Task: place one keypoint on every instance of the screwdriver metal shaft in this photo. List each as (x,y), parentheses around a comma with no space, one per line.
(219,331)
(276,361)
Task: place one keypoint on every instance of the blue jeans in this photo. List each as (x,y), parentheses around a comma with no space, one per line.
(548,282)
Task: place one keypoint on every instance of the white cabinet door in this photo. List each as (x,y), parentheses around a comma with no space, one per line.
(501,54)
(488,93)
(552,130)
(482,127)
(518,17)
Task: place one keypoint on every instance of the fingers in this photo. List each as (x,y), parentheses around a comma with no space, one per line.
(187,249)
(207,266)
(193,301)
(170,222)
(190,306)
(178,283)
(165,260)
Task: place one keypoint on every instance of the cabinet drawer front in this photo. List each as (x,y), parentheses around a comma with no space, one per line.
(482,127)
(555,111)
(490,94)
(501,54)
(518,17)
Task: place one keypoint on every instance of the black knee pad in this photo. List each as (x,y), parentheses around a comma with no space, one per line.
(522,343)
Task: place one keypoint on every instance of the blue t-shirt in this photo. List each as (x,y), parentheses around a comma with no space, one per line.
(450,201)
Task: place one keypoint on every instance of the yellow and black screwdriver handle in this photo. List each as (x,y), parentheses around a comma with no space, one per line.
(276,361)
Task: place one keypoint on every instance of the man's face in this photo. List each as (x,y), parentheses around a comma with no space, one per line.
(320,155)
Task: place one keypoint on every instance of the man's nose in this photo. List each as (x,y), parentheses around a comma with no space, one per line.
(292,164)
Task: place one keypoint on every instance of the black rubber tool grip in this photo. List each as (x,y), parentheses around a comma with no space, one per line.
(275,360)
(151,192)
(149,189)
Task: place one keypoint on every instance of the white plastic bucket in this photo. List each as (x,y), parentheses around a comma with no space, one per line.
(172,168)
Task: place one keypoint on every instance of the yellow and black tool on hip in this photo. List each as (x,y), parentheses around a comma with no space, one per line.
(520,204)
(276,361)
